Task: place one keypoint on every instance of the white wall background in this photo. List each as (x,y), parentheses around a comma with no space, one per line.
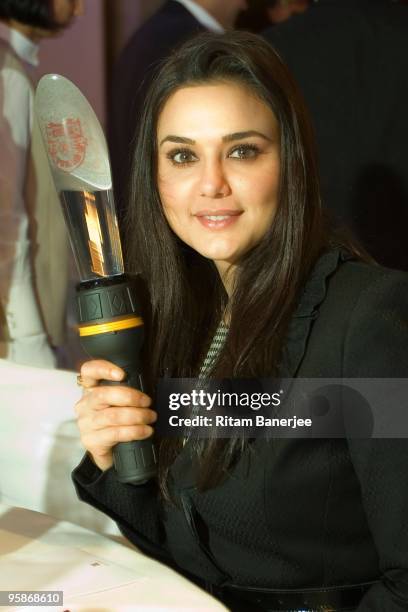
(79,52)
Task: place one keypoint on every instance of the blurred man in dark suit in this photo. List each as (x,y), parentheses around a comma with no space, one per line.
(176,21)
(350,58)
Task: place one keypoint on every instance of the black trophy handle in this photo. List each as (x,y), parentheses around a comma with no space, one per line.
(135,462)
(111,327)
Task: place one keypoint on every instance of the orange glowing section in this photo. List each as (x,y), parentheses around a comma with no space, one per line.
(95,241)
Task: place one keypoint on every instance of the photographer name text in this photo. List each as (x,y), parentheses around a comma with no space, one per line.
(229,421)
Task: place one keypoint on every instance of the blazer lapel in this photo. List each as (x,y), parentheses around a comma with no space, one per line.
(308,311)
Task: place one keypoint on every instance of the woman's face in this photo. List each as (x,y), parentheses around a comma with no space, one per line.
(65,10)
(218,169)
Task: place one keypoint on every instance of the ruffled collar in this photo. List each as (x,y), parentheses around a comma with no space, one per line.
(307,311)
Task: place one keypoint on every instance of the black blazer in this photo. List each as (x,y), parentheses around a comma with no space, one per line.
(296,513)
(350,58)
(147,47)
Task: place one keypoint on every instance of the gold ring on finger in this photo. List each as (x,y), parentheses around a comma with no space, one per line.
(80,381)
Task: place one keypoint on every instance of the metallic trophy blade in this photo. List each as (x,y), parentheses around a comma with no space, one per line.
(79,162)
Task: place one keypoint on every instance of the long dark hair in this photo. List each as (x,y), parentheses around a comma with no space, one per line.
(186,295)
(30,12)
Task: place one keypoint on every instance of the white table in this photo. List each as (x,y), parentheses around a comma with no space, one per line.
(96,573)
(40,445)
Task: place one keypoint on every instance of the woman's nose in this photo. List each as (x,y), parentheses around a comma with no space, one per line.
(214,183)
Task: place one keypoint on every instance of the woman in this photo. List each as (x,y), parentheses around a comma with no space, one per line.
(227,231)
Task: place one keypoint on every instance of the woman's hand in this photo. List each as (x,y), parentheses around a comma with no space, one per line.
(108,415)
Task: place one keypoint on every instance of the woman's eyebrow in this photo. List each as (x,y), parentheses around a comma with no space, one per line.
(179,139)
(247,134)
(226,138)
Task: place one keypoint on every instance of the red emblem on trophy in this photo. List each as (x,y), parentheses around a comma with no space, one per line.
(66,144)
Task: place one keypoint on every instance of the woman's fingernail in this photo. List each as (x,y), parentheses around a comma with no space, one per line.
(144,401)
(117,374)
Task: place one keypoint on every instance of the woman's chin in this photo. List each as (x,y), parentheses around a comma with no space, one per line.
(228,253)
(220,257)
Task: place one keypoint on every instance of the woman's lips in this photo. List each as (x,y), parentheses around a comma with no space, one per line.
(217,220)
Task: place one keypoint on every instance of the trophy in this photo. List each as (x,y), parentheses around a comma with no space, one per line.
(109,317)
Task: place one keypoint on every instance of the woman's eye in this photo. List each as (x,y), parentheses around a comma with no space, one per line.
(245,152)
(181,156)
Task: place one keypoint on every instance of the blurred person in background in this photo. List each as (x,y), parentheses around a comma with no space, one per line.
(350,58)
(33,246)
(279,11)
(171,25)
